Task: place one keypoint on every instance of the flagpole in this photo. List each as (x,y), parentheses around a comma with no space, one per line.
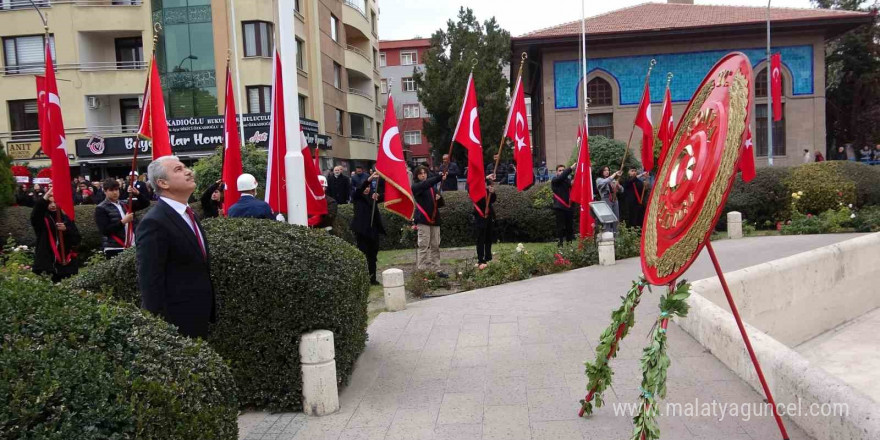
(293,159)
(584,134)
(633,129)
(769,95)
(237,70)
(58,218)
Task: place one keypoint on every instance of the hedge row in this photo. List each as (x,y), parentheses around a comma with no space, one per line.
(75,366)
(273,282)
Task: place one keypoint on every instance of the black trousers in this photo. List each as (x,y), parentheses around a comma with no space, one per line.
(370,248)
(484,243)
(564,225)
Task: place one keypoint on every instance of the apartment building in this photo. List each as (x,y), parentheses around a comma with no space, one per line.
(398,59)
(101,67)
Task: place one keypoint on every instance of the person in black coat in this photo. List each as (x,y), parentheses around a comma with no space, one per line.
(451,168)
(484,224)
(113,219)
(49,257)
(338,185)
(562,206)
(24,197)
(427,220)
(634,198)
(212,200)
(367,223)
(173,257)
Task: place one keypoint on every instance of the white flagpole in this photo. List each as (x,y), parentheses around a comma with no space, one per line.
(769,95)
(293,159)
(241,103)
(584,65)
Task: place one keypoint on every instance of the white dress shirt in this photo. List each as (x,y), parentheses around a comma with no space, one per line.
(181,210)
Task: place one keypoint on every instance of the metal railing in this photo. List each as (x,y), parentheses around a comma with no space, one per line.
(12,5)
(75,132)
(355,6)
(359,137)
(94,66)
(357,51)
(354,91)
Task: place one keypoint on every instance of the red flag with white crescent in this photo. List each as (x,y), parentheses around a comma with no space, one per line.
(316,200)
(667,127)
(517,130)
(582,184)
(154,125)
(776,85)
(276,182)
(55,140)
(232,167)
(392,168)
(747,158)
(643,121)
(467,133)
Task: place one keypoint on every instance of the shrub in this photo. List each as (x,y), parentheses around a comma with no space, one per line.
(273,282)
(606,152)
(867,219)
(823,187)
(254,161)
(763,201)
(7,181)
(865,177)
(77,366)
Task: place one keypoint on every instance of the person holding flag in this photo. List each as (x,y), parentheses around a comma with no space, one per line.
(367,223)
(562,206)
(633,197)
(53,228)
(427,220)
(115,218)
(484,222)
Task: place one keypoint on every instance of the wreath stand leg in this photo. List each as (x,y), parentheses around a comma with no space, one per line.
(598,372)
(748,343)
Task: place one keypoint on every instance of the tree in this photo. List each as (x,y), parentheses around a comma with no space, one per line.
(852,65)
(7,181)
(465,44)
(254,161)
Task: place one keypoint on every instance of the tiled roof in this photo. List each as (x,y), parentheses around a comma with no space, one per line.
(648,17)
(404,44)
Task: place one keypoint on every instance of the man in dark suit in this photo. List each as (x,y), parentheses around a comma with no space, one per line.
(173,261)
(338,185)
(248,206)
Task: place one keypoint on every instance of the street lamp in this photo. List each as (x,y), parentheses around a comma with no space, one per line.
(179,67)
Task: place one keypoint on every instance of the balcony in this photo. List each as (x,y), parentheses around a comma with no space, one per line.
(356,59)
(362,148)
(9,5)
(354,16)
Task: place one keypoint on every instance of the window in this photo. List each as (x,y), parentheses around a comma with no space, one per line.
(337,76)
(412,137)
(408,58)
(760,133)
(23,117)
(27,54)
(377,96)
(334,28)
(382,62)
(361,127)
(129,53)
(296,6)
(761,85)
(257,38)
(410,111)
(11,4)
(384,84)
(339,118)
(602,125)
(259,99)
(300,56)
(301,100)
(130,113)
(599,92)
(409,85)
(375,59)
(373,22)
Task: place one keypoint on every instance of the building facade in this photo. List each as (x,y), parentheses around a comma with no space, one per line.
(102,70)
(685,40)
(398,60)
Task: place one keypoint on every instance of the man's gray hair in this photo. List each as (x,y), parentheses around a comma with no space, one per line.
(156,170)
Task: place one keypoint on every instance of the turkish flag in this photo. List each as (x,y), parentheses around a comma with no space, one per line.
(316,200)
(42,112)
(232,167)
(667,127)
(154,126)
(276,182)
(776,85)
(517,130)
(392,168)
(53,138)
(582,184)
(643,121)
(747,158)
(467,133)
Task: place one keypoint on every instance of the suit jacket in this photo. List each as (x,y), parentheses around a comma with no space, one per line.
(173,276)
(249,207)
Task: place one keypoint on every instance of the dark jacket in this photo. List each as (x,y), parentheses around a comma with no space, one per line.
(338,188)
(249,207)
(424,193)
(24,198)
(109,222)
(210,208)
(561,186)
(44,257)
(357,180)
(367,221)
(173,276)
(451,182)
(481,222)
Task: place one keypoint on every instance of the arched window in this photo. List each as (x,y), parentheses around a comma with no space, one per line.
(761,84)
(761,122)
(599,92)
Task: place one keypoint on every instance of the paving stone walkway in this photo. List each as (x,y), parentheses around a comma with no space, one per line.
(506,363)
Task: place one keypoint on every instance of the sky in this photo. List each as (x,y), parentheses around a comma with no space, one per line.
(405,19)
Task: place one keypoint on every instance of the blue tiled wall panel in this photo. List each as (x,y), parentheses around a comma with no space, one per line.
(688,68)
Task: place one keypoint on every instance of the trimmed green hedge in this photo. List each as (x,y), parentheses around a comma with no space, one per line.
(73,365)
(273,282)
(763,201)
(823,188)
